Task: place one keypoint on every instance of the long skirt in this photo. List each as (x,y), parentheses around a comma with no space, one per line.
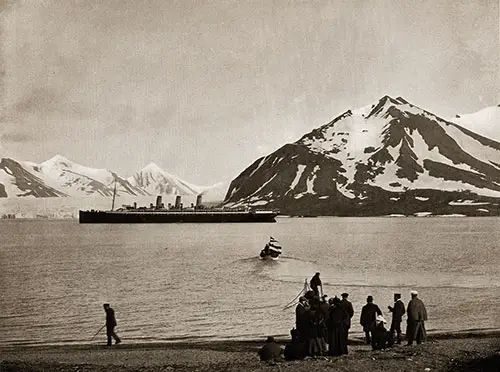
(337,342)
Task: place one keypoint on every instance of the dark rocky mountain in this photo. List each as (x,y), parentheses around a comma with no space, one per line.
(16,181)
(387,158)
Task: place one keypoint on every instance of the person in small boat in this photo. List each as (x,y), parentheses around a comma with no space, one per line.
(271,351)
(397,316)
(368,314)
(315,283)
(417,315)
(110,325)
(336,324)
(347,306)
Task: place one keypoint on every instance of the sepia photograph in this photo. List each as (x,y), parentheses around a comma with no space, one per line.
(222,185)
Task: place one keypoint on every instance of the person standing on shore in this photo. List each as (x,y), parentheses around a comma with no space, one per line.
(347,306)
(397,316)
(369,313)
(315,283)
(110,325)
(417,315)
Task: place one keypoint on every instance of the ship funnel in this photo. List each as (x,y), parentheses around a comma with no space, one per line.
(178,201)
(158,201)
(198,201)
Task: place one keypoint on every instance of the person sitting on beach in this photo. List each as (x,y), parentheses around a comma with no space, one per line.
(110,325)
(368,315)
(315,283)
(271,351)
(381,337)
(417,315)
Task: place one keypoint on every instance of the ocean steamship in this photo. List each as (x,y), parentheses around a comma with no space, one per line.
(177,213)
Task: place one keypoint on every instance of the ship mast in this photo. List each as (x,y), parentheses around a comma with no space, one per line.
(114,194)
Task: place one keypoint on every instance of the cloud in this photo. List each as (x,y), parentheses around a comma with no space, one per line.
(15,138)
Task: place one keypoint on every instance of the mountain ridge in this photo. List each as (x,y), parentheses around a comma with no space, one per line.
(364,160)
(61,177)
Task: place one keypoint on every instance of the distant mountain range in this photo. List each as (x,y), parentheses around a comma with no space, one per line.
(60,177)
(387,158)
(390,157)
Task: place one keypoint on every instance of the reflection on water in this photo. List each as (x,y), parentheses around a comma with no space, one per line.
(192,281)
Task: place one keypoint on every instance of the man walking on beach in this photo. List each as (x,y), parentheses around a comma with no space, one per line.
(369,313)
(397,316)
(417,315)
(110,325)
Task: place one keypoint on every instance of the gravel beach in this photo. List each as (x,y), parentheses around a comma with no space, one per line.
(461,352)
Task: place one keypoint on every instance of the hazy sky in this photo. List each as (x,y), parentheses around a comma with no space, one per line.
(204,88)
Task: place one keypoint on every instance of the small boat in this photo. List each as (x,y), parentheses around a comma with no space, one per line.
(272,250)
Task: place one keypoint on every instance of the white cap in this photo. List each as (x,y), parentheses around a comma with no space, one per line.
(380,318)
(413,292)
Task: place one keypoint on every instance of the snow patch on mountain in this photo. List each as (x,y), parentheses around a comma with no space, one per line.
(156,181)
(485,122)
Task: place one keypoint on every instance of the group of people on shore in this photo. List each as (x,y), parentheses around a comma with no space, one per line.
(322,324)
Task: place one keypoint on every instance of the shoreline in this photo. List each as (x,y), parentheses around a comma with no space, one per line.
(440,352)
(235,344)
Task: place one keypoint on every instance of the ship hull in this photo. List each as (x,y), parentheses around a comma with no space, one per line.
(175,217)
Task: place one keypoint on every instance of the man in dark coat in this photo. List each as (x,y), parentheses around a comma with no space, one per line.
(397,316)
(369,313)
(271,351)
(417,315)
(347,306)
(110,325)
(337,344)
(315,283)
(302,318)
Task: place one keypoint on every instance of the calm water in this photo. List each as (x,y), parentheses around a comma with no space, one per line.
(204,281)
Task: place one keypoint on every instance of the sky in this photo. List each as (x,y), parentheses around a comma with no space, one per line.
(205,88)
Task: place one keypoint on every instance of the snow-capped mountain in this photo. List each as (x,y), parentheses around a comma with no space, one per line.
(17,181)
(156,181)
(60,176)
(78,180)
(390,157)
(485,122)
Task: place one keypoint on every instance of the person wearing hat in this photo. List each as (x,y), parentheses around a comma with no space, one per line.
(271,351)
(302,317)
(337,344)
(397,316)
(415,322)
(381,337)
(315,283)
(367,320)
(347,306)
(110,325)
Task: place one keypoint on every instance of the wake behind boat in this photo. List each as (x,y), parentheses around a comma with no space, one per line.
(272,250)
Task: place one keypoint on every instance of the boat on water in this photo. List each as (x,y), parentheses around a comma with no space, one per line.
(160,213)
(271,251)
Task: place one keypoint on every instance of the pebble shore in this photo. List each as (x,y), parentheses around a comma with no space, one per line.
(464,352)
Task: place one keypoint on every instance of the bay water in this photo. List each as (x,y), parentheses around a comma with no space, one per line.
(172,282)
